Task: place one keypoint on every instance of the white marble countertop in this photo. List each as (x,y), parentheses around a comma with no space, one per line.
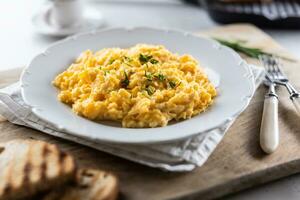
(19,43)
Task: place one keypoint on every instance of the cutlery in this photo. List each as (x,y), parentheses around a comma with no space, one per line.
(281,79)
(269,131)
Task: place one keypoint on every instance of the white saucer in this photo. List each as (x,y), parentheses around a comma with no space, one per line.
(92,19)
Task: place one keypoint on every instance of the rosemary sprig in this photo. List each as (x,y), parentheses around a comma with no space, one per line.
(248,51)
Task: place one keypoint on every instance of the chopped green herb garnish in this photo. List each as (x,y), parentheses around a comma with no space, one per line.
(128,64)
(160,77)
(128,59)
(111,61)
(153,61)
(106,72)
(125,81)
(150,90)
(144,58)
(172,84)
(149,76)
(100,67)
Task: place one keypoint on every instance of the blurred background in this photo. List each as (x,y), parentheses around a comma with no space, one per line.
(19,34)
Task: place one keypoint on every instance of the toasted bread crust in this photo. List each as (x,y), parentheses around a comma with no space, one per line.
(29,166)
(90,185)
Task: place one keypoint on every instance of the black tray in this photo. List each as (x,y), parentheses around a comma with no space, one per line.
(278,14)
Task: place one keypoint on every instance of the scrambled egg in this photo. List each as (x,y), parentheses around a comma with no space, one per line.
(142,86)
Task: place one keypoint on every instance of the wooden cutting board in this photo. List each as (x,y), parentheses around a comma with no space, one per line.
(236,164)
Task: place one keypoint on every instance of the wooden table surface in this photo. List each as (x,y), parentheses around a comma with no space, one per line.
(236,164)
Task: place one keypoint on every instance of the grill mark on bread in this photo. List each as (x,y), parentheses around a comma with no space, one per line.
(1,149)
(45,153)
(43,170)
(59,163)
(7,188)
(27,170)
(62,156)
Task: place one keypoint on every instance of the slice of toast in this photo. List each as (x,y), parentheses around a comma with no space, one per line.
(29,166)
(90,185)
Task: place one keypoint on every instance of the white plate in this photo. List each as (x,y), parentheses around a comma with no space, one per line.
(234,92)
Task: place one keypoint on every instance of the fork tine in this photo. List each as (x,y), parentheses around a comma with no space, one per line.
(280,73)
(274,67)
(265,61)
(274,70)
(269,66)
(262,60)
(278,66)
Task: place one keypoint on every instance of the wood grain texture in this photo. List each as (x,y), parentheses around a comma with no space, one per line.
(236,164)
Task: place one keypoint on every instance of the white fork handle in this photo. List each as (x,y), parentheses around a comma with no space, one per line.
(296,102)
(269,131)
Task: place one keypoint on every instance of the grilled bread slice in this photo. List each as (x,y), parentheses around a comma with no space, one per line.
(90,185)
(29,166)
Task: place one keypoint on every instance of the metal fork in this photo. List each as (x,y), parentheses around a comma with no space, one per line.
(277,76)
(269,131)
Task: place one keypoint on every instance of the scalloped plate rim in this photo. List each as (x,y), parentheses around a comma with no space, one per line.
(139,139)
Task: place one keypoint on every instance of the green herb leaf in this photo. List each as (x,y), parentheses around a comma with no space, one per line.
(153,61)
(172,84)
(111,61)
(149,76)
(150,90)
(160,77)
(106,72)
(128,59)
(144,58)
(125,81)
(128,64)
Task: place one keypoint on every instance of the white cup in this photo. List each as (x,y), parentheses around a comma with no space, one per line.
(66,13)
